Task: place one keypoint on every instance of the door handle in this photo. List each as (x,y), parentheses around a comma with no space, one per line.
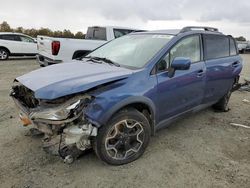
(200,73)
(235,64)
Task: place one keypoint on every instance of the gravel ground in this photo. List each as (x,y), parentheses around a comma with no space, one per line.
(203,150)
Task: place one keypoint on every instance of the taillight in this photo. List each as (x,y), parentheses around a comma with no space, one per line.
(55,47)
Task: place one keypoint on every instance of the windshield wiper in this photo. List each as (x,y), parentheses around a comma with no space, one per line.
(98,59)
(92,59)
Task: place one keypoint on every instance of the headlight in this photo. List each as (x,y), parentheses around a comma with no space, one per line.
(56,113)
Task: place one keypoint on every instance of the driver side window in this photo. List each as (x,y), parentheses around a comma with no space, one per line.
(188,47)
(26,39)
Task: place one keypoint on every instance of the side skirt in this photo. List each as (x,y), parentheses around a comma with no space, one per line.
(169,121)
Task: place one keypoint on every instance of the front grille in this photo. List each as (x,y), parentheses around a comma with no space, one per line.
(25,96)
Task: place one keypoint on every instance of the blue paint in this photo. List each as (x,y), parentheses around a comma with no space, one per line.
(203,84)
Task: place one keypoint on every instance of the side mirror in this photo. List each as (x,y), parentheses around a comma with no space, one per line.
(179,63)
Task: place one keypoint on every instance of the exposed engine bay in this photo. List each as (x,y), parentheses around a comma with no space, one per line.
(67,132)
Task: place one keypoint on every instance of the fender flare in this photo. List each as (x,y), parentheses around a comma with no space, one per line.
(3,47)
(126,102)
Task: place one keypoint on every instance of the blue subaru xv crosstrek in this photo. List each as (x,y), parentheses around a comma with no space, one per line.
(117,96)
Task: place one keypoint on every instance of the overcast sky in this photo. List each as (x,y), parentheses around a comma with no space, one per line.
(230,16)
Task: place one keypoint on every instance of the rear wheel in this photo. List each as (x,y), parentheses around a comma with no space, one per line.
(124,139)
(222,104)
(4,54)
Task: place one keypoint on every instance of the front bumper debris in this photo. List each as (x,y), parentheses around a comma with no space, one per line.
(67,137)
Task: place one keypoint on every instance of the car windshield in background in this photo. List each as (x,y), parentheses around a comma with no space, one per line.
(132,50)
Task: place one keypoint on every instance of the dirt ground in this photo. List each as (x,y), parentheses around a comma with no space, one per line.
(203,150)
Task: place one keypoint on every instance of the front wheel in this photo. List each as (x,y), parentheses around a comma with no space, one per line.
(124,139)
(4,54)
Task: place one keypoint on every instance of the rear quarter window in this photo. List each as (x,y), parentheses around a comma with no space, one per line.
(216,46)
(233,50)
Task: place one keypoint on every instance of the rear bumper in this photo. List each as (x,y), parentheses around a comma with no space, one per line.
(45,61)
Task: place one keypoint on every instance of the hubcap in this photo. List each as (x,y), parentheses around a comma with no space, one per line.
(124,139)
(3,54)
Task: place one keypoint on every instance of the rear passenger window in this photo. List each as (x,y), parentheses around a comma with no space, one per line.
(233,50)
(216,46)
(10,37)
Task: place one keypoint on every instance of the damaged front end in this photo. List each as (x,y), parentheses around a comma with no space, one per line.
(66,130)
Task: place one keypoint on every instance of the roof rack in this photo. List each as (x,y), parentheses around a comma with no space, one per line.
(191,28)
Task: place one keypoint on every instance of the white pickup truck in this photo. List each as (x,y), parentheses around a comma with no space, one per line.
(57,50)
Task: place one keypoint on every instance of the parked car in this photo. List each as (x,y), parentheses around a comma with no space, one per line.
(117,96)
(16,44)
(242,46)
(58,50)
(248,46)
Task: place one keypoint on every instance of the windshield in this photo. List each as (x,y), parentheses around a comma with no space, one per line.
(132,50)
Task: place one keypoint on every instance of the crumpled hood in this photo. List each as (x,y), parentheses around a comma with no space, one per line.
(68,78)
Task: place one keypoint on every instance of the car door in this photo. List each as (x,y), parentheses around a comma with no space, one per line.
(29,45)
(219,65)
(185,90)
(12,42)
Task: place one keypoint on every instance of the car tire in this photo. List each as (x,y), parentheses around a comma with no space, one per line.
(124,138)
(4,54)
(222,104)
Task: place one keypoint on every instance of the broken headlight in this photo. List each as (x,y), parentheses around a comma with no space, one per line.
(57,113)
